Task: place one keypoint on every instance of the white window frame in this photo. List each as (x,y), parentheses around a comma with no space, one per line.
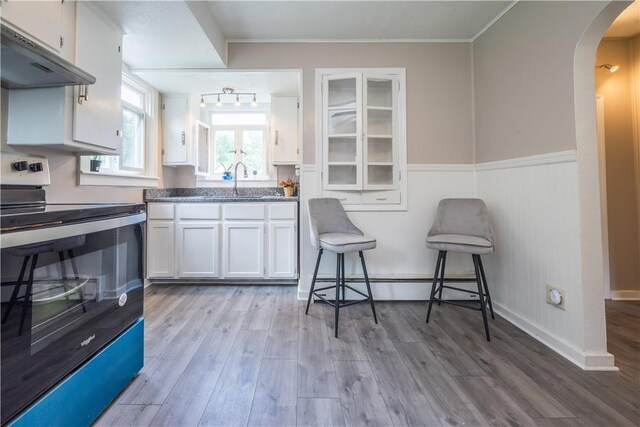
(130,177)
(269,171)
(146,107)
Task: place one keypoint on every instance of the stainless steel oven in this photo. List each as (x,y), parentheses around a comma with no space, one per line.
(72,281)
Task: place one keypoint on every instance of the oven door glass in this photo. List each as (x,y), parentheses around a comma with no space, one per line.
(63,299)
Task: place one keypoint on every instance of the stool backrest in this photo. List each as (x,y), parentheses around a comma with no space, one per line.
(326,215)
(463,216)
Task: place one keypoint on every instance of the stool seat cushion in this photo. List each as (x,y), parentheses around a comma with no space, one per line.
(346,242)
(460,243)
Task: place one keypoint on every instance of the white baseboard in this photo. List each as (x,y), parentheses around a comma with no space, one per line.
(625,295)
(401,291)
(586,361)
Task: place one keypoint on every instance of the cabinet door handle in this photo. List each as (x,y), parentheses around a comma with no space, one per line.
(276,137)
(83,94)
(183,138)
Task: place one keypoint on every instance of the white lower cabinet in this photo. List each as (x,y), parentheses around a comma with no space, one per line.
(282,244)
(226,240)
(160,249)
(198,249)
(243,249)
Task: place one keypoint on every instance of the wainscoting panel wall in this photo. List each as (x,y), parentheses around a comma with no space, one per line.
(534,209)
(533,203)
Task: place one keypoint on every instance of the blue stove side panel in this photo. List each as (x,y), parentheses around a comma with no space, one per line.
(81,397)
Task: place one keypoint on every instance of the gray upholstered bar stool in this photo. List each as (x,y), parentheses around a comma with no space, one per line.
(333,231)
(462,225)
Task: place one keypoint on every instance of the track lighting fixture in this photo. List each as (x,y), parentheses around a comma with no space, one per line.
(226,92)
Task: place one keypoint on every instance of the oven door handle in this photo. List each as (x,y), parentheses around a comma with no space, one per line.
(27,237)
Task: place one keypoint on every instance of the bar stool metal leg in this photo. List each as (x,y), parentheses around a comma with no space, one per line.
(366,280)
(483,307)
(434,284)
(337,296)
(344,288)
(486,286)
(313,281)
(444,262)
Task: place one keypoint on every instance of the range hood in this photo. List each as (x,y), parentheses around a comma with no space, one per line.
(26,64)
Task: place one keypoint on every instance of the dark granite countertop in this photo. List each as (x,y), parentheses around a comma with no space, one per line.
(217,195)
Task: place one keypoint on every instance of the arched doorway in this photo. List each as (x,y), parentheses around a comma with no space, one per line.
(591,244)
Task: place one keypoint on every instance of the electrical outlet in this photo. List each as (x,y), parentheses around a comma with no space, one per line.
(556,297)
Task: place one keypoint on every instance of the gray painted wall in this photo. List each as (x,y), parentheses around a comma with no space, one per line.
(523,69)
(439,106)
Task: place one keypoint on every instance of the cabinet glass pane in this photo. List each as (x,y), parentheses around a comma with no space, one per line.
(203,149)
(342,122)
(379,122)
(379,93)
(342,175)
(342,149)
(380,175)
(380,150)
(225,145)
(342,93)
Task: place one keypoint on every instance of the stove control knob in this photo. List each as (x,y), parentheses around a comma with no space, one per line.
(21,166)
(36,167)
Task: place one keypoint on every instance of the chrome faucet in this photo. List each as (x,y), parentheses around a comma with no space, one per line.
(235,177)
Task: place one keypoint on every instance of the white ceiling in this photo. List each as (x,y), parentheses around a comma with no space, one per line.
(161,34)
(627,24)
(264,84)
(192,34)
(354,20)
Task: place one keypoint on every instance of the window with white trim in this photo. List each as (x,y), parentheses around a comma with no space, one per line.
(240,136)
(139,153)
(134,112)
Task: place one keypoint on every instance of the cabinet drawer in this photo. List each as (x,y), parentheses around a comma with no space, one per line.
(243,211)
(160,210)
(346,197)
(199,211)
(282,211)
(380,197)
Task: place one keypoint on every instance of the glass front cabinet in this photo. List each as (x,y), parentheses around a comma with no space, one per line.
(363,136)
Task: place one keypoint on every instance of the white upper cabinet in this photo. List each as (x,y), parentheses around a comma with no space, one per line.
(97,108)
(284,130)
(41,20)
(363,136)
(92,126)
(176,130)
(342,131)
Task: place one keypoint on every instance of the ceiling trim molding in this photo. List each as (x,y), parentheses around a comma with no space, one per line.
(349,40)
(494,20)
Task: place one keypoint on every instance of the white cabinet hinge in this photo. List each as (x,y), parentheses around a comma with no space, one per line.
(297,151)
(162,107)
(321,176)
(298,104)
(119,49)
(61,41)
(163,151)
(399,175)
